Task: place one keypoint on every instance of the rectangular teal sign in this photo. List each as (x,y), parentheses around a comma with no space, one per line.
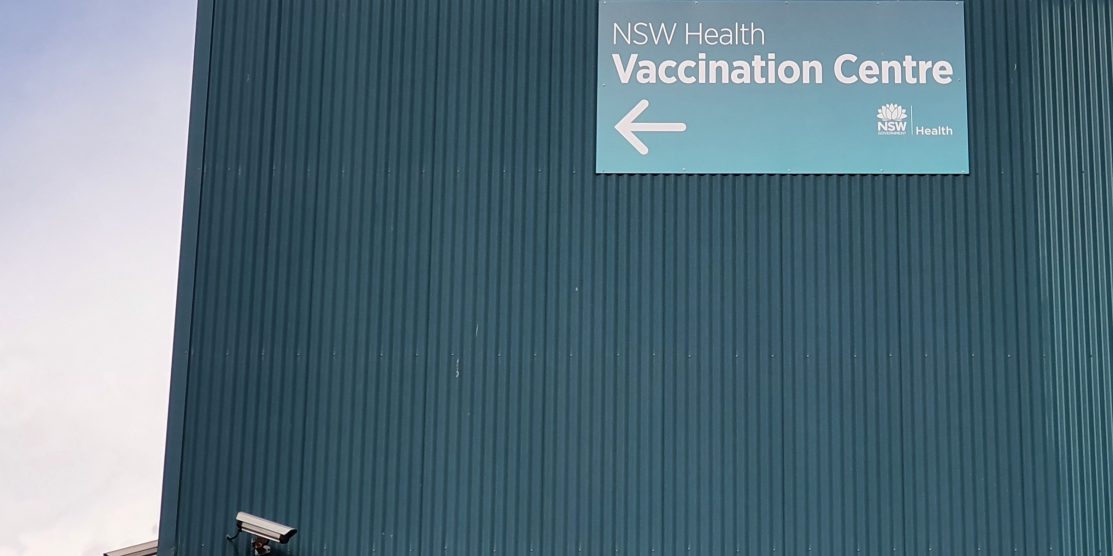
(796,87)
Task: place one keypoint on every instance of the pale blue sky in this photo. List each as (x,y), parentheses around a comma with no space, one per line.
(94,101)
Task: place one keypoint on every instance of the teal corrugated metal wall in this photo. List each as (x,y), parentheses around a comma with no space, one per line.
(413,320)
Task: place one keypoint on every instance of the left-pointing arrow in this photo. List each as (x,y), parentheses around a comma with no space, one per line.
(627,126)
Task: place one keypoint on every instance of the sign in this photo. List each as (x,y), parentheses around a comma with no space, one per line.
(797,87)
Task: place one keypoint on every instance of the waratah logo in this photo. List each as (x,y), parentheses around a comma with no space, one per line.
(891,113)
(891,120)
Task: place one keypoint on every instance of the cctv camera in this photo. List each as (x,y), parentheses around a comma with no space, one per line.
(145,549)
(263,530)
(266,529)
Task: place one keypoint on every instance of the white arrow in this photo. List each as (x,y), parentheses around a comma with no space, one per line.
(626,126)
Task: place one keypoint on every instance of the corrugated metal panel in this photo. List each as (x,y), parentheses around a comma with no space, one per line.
(1073,105)
(414,320)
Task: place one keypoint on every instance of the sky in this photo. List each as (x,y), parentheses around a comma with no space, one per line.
(94,108)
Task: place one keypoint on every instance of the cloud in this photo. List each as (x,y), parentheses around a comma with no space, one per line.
(92,152)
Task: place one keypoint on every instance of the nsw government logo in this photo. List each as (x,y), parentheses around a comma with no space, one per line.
(892,120)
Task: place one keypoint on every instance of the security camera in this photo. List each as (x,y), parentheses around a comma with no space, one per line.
(145,549)
(263,530)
